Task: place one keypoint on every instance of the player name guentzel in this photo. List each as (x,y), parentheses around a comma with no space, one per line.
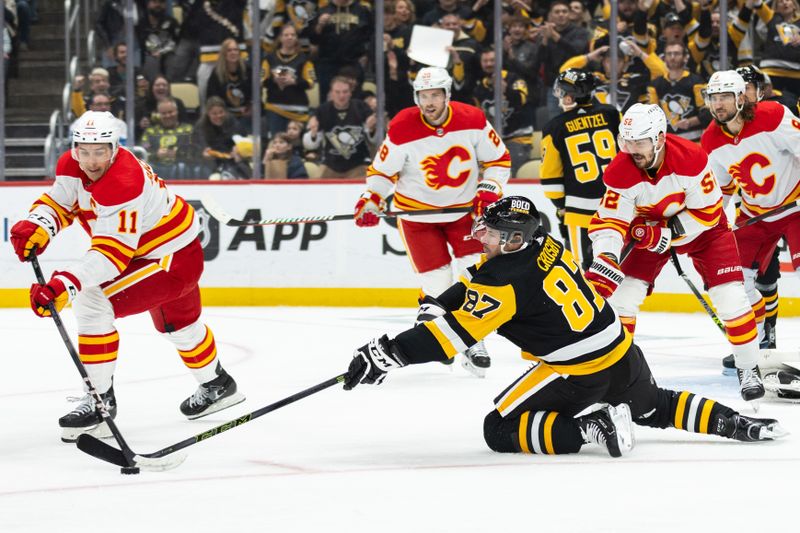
(582,123)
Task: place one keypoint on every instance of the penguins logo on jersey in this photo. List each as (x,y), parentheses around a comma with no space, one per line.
(437,168)
(345,139)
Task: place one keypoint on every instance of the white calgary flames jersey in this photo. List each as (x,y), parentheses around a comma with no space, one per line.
(129,213)
(438,166)
(762,161)
(683,187)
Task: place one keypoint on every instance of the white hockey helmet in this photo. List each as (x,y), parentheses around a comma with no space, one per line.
(642,121)
(432,78)
(726,81)
(96,127)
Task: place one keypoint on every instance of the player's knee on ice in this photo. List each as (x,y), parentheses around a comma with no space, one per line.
(541,432)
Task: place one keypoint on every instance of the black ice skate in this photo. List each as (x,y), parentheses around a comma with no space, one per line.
(785,384)
(215,395)
(476,360)
(746,429)
(85,418)
(750,384)
(611,427)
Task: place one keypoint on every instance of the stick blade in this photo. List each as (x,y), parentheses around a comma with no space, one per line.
(216,211)
(99,449)
(159,464)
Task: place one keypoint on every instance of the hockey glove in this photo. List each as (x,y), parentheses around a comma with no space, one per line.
(429,309)
(60,290)
(488,192)
(605,274)
(367,209)
(26,234)
(653,238)
(372,361)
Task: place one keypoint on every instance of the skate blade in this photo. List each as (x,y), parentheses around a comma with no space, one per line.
(476,371)
(728,371)
(622,418)
(772,432)
(100,431)
(224,403)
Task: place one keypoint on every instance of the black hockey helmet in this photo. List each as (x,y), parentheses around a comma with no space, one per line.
(577,83)
(753,74)
(513,217)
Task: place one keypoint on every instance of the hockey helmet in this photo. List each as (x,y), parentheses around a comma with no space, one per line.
(579,84)
(726,81)
(642,121)
(508,218)
(752,74)
(432,78)
(95,127)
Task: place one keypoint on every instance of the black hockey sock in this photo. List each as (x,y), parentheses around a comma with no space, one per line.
(542,432)
(684,410)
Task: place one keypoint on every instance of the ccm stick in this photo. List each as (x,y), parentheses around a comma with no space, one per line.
(101,450)
(128,460)
(213,208)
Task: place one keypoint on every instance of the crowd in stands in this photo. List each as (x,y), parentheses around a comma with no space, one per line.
(317,71)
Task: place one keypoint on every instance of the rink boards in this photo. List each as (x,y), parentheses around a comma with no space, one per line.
(326,264)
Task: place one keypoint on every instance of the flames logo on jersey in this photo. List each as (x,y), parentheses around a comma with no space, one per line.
(436,168)
(742,173)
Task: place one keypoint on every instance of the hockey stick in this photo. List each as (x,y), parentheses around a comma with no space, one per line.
(128,460)
(694,290)
(762,216)
(99,449)
(216,211)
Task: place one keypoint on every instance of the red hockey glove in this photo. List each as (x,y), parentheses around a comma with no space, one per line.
(653,238)
(60,290)
(605,274)
(488,192)
(25,235)
(368,207)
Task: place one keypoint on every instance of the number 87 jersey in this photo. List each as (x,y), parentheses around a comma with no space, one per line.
(539,300)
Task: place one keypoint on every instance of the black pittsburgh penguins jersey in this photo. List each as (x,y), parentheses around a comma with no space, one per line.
(576,148)
(680,99)
(538,299)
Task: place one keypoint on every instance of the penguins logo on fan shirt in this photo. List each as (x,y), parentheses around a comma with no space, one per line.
(676,107)
(742,172)
(345,139)
(436,168)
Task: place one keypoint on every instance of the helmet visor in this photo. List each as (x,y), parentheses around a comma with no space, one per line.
(93,154)
(486,235)
(635,146)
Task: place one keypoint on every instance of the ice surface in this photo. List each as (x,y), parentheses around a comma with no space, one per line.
(405,457)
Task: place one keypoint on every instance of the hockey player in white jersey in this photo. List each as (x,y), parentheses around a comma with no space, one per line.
(437,154)
(661,193)
(754,147)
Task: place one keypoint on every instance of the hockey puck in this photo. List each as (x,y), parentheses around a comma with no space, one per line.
(128,470)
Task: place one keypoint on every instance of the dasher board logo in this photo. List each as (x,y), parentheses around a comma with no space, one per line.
(209,231)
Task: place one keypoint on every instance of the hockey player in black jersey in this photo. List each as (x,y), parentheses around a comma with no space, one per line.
(577,145)
(529,288)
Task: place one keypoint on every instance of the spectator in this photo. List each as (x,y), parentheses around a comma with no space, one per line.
(205,25)
(781,58)
(294,134)
(280,162)
(301,13)
(117,73)
(578,15)
(231,82)
(472,25)
(157,33)
(708,49)
(169,144)
(98,83)
(680,94)
(395,43)
(288,74)
(405,13)
(559,40)
(159,91)
(463,58)
(101,101)
(214,134)
(520,54)
(110,26)
(24,14)
(342,128)
(517,119)
(342,33)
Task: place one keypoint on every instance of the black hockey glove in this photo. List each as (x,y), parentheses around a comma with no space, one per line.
(429,309)
(372,361)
